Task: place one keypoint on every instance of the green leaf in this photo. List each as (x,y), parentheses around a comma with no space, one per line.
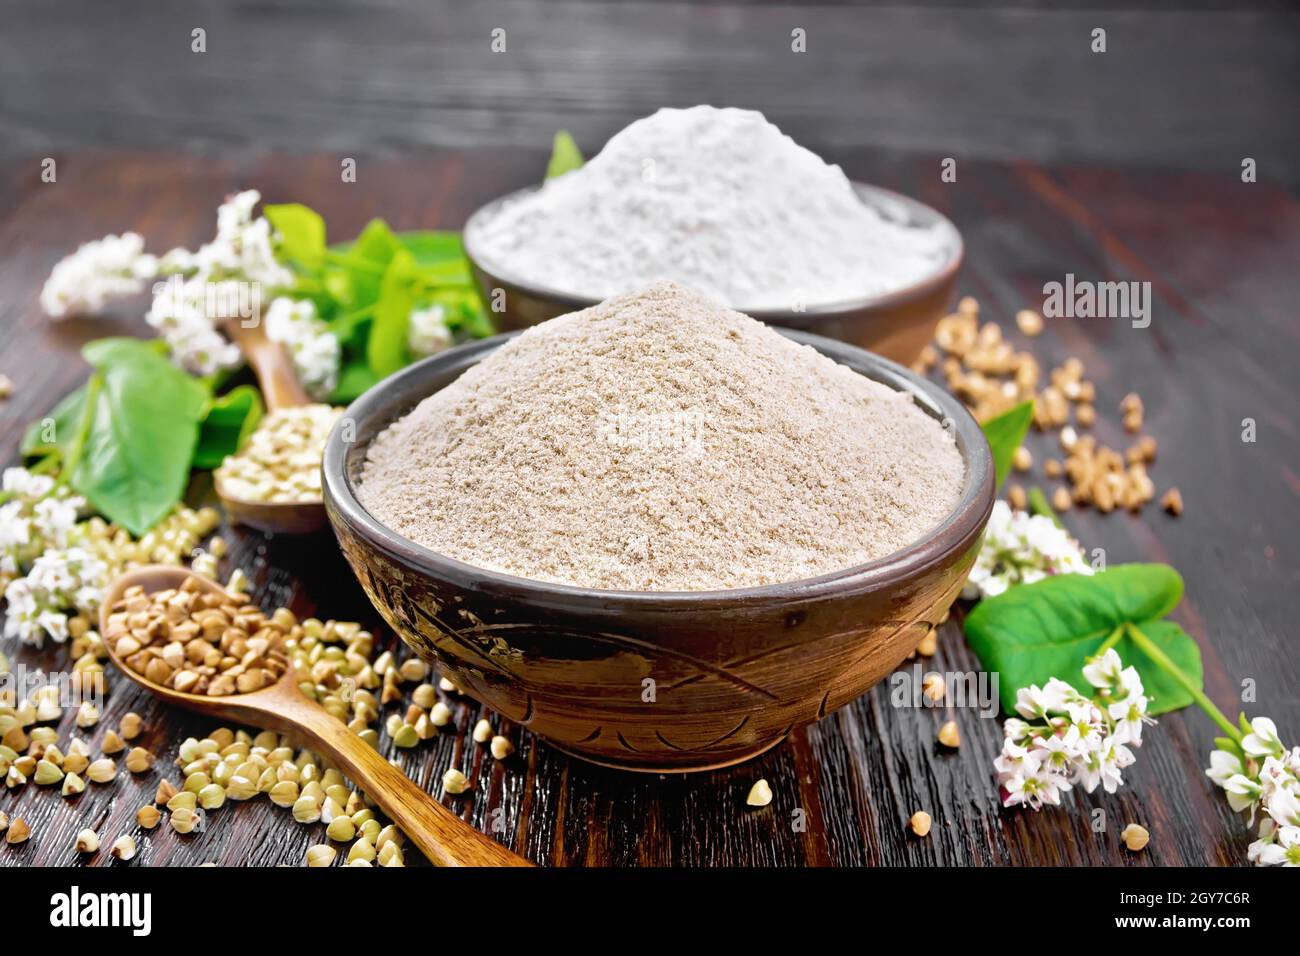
(55,432)
(430,247)
(386,350)
(230,419)
(565,156)
(301,231)
(1033,632)
(366,260)
(1005,434)
(143,427)
(1165,692)
(354,378)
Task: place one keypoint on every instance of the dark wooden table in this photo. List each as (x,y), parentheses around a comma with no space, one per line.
(1222,259)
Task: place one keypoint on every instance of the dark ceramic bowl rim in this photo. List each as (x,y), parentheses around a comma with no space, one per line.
(958,530)
(916,210)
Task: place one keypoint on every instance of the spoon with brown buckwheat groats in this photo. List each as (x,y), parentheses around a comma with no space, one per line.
(192,643)
(273,482)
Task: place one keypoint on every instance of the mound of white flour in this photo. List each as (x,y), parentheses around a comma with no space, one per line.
(659,441)
(719,199)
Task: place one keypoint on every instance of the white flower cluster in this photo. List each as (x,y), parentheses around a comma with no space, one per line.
(60,579)
(1020,548)
(1263,774)
(36,515)
(185,313)
(1066,739)
(313,347)
(104,269)
(243,247)
(38,534)
(224,279)
(427,332)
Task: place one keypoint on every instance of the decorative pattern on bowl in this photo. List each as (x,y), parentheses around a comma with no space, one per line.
(656,681)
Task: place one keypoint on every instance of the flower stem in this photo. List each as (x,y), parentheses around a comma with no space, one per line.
(1149,648)
(1111,641)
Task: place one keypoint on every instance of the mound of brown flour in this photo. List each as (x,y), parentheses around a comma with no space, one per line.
(660,442)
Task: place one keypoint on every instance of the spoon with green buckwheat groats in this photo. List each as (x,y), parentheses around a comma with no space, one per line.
(273,482)
(192,643)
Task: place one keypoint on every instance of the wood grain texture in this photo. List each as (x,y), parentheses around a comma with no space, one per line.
(1222,347)
(1195,88)
(442,837)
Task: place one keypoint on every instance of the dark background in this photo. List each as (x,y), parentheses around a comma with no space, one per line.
(1123,165)
(1175,89)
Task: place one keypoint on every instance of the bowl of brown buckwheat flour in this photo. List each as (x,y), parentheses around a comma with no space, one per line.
(656,531)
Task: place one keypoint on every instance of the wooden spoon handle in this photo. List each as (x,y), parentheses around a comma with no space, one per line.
(441,836)
(271,364)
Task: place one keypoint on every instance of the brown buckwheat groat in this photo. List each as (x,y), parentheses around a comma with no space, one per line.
(199,642)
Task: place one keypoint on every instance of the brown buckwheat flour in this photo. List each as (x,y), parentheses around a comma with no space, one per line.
(660,442)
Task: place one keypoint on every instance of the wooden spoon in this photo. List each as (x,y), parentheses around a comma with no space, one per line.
(280,389)
(441,836)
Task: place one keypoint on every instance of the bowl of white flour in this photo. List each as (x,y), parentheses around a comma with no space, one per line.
(723,201)
(657,532)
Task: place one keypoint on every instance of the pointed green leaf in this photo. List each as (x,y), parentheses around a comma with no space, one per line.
(144,425)
(565,156)
(1033,632)
(229,420)
(386,350)
(1005,433)
(301,231)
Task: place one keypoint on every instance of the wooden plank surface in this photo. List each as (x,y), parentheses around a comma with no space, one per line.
(1222,347)
(1199,87)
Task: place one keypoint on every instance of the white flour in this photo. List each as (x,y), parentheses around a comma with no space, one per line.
(719,199)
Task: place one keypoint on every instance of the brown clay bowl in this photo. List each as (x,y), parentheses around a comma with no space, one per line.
(896,325)
(656,681)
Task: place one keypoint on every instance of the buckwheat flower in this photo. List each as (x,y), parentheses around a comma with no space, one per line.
(243,246)
(1263,740)
(55,517)
(1271,785)
(1243,793)
(1087,720)
(1035,703)
(1015,760)
(1284,807)
(1104,670)
(177,261)
(1035,789)
(314,349)
(427,332)
(98,271)
(1223,766)
(22,612)
(185,313)
(15,538)
(1279,848)
(1057,752)
(1113,757)
(1021,548)
(1291,760)
(59,580)
(1129,715)
(1016,729)
(1072,739)
(20,481)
